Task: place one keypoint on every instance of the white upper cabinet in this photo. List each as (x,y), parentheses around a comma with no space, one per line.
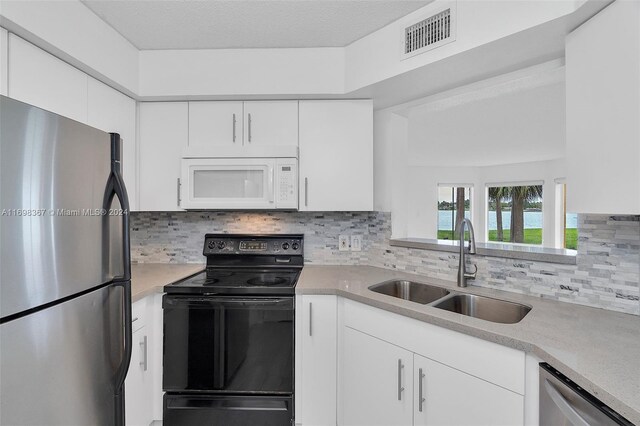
(111,111)
(215,124)
(271,123)
(336,155)
(164,128)
(4,59)
(243,129)
(603,106)
(40,79)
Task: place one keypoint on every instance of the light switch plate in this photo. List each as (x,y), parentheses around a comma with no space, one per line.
(343,242)
(356,243)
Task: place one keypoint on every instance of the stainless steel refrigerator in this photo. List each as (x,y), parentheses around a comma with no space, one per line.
(65,295)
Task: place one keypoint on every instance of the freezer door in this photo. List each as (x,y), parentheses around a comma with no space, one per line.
(59,366)
(54,174)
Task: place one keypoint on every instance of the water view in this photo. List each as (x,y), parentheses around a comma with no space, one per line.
(532,220)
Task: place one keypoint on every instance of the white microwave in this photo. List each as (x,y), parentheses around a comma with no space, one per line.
(239,183)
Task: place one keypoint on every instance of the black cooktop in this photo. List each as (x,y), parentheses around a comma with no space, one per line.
(246,265)
(238,281)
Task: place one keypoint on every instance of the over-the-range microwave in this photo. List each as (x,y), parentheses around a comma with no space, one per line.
(239,183)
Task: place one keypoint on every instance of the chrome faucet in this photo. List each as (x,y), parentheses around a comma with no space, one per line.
(463,275)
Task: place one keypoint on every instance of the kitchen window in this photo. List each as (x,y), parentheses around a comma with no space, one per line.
(567,223)
(454,203)
(514,213)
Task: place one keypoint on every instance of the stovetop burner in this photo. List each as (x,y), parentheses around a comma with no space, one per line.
(265,279)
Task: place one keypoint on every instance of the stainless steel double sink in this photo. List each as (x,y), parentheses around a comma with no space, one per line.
(485,308)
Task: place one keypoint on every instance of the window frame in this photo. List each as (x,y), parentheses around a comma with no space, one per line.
(469,186)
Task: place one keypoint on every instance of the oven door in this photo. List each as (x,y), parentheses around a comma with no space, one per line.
(228,344)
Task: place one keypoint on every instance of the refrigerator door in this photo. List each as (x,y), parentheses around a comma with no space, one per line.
(61,365)
(54,176)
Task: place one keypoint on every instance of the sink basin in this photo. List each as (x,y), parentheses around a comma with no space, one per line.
(409,290)
(485,308)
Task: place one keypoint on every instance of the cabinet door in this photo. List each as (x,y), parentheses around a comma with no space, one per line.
(376,387)
(111,111)
(316,360)
(603,106)
(270,123)
(45,81)
(138,385)
(451,397)
(214,124)
(163,135)
(336,156)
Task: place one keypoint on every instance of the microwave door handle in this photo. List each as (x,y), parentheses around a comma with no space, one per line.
(271,183)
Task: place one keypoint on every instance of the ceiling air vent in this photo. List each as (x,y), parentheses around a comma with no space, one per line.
(429,33)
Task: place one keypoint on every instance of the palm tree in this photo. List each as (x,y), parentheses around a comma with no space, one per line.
(496,194)
(519,195)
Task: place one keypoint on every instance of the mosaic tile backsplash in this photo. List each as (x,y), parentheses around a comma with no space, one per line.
(607,273)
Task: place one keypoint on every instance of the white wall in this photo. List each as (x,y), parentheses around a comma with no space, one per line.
(484,134)
(70,31)
(521,126)
(241,72)
(4,60)
(377,56)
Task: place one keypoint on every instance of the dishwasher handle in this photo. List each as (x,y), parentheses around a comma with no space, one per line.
(564,406)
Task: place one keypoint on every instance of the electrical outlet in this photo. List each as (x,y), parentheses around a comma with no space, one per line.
(343,242)
(356,243)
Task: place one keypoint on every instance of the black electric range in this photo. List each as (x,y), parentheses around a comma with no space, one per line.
(229,333)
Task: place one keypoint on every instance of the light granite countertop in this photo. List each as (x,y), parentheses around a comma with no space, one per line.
(148,278)
(598,349)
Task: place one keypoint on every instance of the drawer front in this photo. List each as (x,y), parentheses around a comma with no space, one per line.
(185,410)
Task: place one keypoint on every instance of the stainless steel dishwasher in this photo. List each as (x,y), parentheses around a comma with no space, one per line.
(564,403)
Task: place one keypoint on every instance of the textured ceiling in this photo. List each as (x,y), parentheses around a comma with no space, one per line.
(217,24)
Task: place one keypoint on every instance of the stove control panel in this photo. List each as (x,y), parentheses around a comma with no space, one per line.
(224,244)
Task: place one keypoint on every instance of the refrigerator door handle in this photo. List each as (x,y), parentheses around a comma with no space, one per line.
(121,372)
(115,187)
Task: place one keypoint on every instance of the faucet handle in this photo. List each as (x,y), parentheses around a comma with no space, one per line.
(472,275)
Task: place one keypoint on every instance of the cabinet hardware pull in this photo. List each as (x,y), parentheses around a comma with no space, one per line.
(234,128)
(421,399)
(143,344)
(400,388)
(134,320)
(310,319)
(249,126)
(179,192)
(306,192)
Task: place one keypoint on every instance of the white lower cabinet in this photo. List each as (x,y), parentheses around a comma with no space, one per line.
(376,386)
(394,370)
(316,360)
(139,381)
(446,396)
(143,393)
